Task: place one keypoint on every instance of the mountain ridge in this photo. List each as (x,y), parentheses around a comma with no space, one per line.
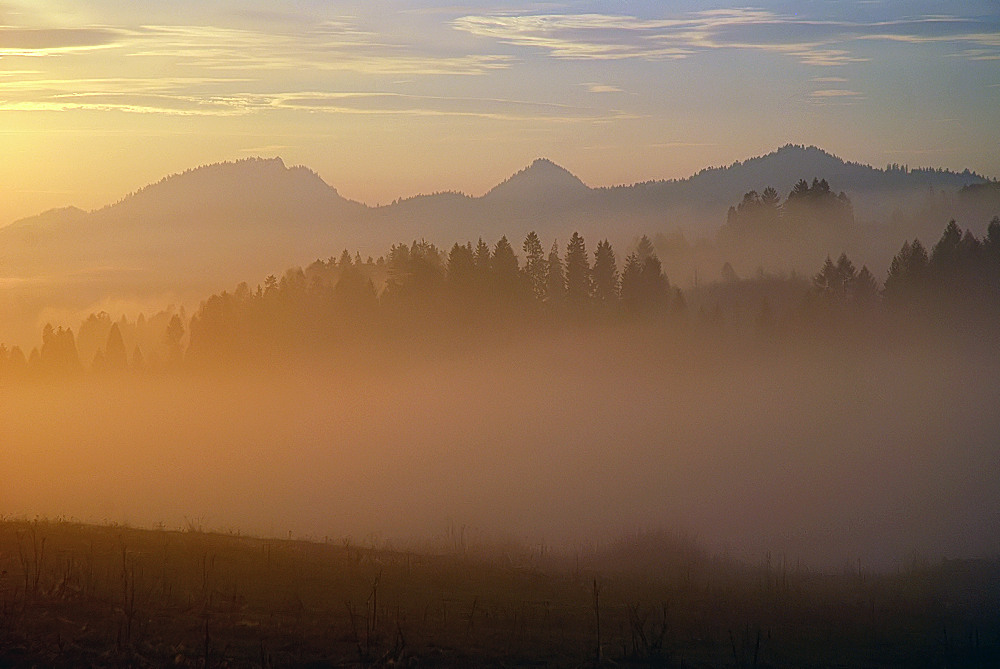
(258,214)
(211,227)
(528,184)
(539,180)
(787,149)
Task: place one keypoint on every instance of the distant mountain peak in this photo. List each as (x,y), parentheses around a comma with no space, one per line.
(545,162)
(802,148)
(233,184)
(546,165)
(52,217)
(234,168)
(540,180)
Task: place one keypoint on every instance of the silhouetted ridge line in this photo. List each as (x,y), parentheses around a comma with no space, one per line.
(226,178)
(821,162)
(216,224)
(541,178)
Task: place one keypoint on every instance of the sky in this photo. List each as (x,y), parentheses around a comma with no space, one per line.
(388,99)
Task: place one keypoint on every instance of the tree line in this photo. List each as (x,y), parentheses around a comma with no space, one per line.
(417,288)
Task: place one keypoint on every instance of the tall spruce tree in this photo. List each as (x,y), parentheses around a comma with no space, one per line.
(482,259)
(115,355)
(461,269)
(534,264)
(555,279)
(577,270)
(506,276)
(631,288)
(605,274)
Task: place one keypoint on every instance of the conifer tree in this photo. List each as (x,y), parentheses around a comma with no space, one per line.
(655,286)
(577,270)
(534,264)
(907,271)
(605,274)
(115,355)
(482,260)
(175,331)
(644,249)
(353,294)
(991,254)
(826,279)
(17,363)
(461,268)
(506,275)
(482,256)
(555,279)
(631,284)
(946,256)
(58,353)
(846,274)
(864,290)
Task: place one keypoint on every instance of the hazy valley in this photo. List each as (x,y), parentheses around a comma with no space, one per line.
(206,230)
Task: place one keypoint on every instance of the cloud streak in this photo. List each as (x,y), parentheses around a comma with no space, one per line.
(835,93)
(424,105)
(328,46)
(349,103)
(33,42)
(835,96)
(593,87)
(812,42)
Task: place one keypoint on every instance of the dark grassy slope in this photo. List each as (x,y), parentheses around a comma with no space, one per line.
(74,595)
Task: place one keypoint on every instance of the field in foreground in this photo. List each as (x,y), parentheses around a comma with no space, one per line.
(103,596)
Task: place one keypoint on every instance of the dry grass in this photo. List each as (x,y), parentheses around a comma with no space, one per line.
(106,596)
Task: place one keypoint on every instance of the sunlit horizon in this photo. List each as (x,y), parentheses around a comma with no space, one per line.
(502,333)
(391,100)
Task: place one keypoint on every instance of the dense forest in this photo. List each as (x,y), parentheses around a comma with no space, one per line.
(418,292)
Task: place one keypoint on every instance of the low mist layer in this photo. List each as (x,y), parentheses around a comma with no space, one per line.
(804,450)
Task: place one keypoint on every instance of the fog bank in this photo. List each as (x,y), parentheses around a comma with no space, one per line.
(809,452)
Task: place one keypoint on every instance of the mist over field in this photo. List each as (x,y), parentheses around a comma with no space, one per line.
(799,449)
(563,334)
(509,390)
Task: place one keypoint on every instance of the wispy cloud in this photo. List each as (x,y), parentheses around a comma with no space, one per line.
(328,46)
(577,36)
(601,88)
(835,96)
(812,42)
(425,105)
(835,93)
(30,42)
(174,96)
(212,70)
(162,106)
(979,54)
(35,84)
(808,55)
(349,103)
